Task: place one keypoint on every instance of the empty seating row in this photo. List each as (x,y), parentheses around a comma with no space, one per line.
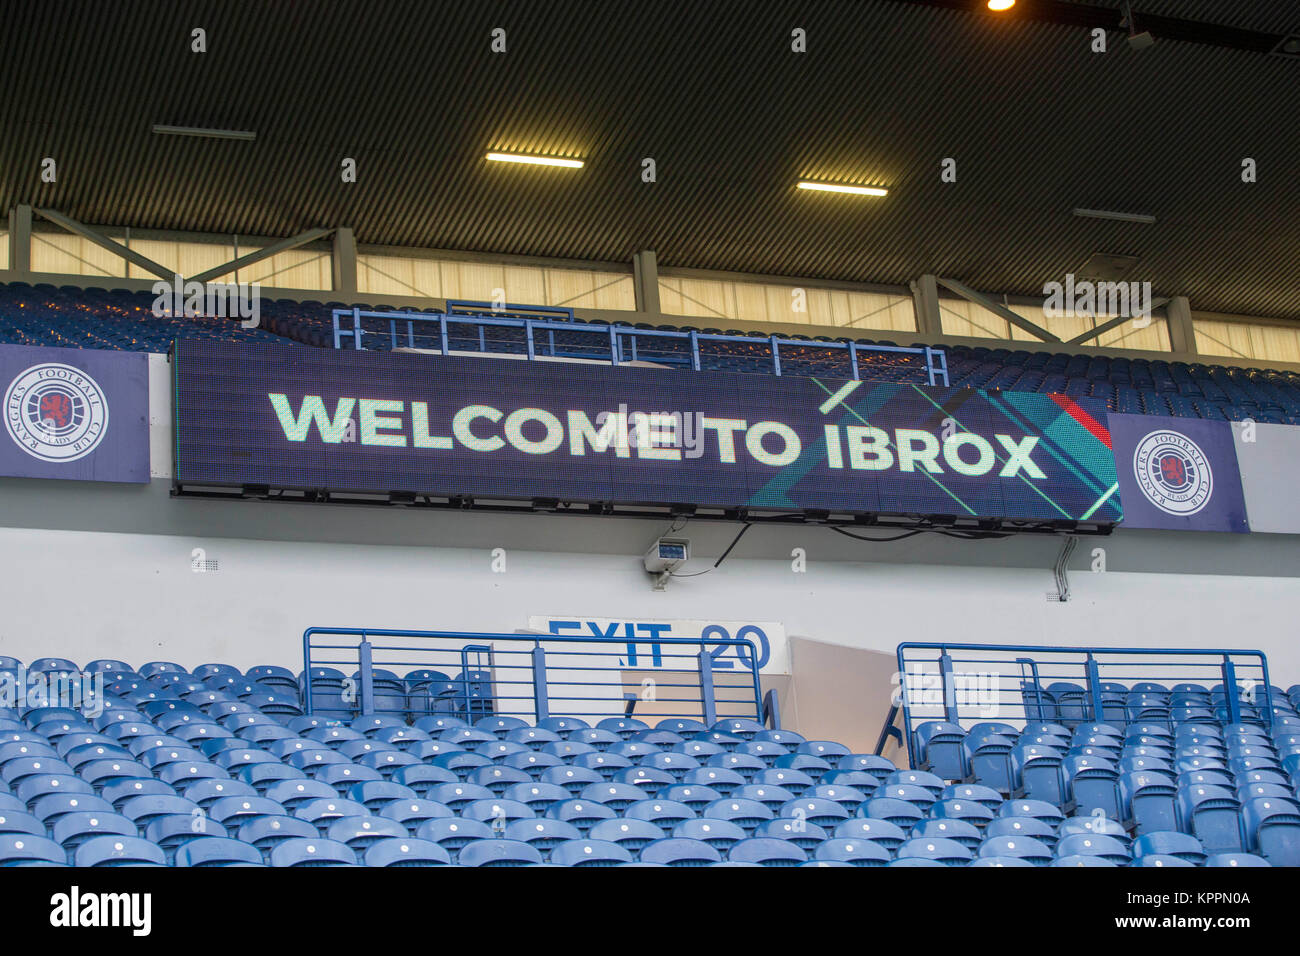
(117,319)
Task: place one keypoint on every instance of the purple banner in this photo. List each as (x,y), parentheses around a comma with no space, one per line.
(1177,473)
(80,414)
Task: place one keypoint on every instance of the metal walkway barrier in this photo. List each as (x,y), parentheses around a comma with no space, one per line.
(531,676)
(543,332)
(964,684)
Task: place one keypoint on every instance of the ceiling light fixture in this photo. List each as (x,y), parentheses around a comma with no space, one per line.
(1288,46)
(202,133)
(534,160)
(998,6)
(1116,216)
(838,188)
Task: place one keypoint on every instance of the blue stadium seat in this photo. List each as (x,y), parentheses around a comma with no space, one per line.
(406,852)
(853,852)
(74,829)
(719,834)
(359,832)
(217,851)
(1213,815)
(632,835)
(1093,844)
(1086,860)
(1235,859)
(589,853)
(1272,826)
(967,834)
(676,851)
(1093,784)
(800,832)
(113,850)
(902,815)
(311,851)
(412,813)
(766,852)
(1169,844)
(1021,847)
(941,749)
(17,822)
(1148,801)
(498,853)
(22,849)
(265,832)
(937,849)
(583,814)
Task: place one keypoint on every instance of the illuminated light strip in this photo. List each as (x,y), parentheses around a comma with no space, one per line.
(837,188)
(838,397)
(204,133)
(1100,501)
(923,471)
(534,160)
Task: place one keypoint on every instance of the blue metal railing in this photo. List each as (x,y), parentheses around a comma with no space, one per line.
(1018,684)
(546,332)
(534,676)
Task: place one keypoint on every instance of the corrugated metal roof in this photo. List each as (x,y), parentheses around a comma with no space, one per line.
(1037,124)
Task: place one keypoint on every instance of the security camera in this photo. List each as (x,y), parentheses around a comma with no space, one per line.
(665,556)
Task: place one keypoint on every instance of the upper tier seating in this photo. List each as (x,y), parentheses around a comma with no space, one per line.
(200,769)
(95,318)
(69,317)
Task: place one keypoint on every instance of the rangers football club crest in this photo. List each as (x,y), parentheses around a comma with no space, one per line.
(55,412)
(1173,472)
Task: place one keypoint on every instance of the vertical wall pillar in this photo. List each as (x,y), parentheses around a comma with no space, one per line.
(925,304)
(343,264)
(645,281)
(1182,334)
(20,239)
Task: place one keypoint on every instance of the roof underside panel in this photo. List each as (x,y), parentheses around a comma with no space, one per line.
(1037,123)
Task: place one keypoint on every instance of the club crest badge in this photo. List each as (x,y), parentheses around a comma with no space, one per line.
(1173,472)
(55,412)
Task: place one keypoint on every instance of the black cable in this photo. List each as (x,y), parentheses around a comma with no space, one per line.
(734,542)
(859,537)
(962,535)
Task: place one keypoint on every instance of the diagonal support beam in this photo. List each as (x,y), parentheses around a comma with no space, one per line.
(104,242)
(1111,324)
(997,308)
(284,245)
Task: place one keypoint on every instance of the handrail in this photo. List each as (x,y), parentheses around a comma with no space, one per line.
(520,662)
(613,342)
(470,307)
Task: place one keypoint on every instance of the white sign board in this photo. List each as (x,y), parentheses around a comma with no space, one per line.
(646,649)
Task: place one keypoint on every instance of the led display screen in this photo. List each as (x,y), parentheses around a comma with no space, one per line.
(428,424)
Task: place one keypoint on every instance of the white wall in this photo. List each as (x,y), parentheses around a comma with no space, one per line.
(91,570)
(85,595)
